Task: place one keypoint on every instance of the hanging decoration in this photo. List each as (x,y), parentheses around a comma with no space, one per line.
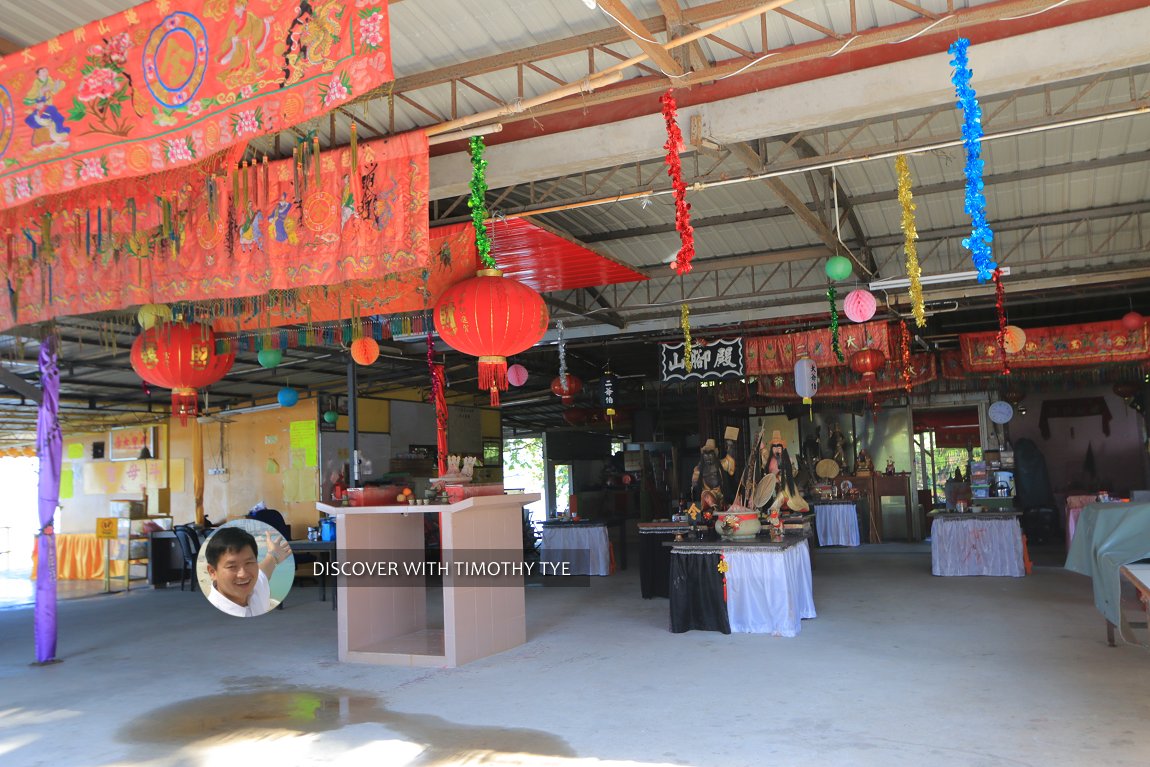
(1132,320)
(439,399)
(607,385)
(768,355)
(674,145)
(867,363)
(151,314)
(974,203)
(516,375)
(1014,339)
(287,397)
(905,363)
(183,358)
(806,379)
(477,202)
(838,268)
(173,240)
(832,298)
(1060,346)
(269,357)
(566,390)
(330,416)
(491,317)
(559,326)
(842,382)
(153,90)
(860,305)
(365,351)
(910,240)
(49,447)
(685,322)
(1000,309)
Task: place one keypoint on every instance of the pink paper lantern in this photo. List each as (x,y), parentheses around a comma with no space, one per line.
(1132,321)
(859,305)
(517,375)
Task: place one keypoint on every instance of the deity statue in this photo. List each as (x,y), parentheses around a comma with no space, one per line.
(837,441)
(707,477)
(777,463)
(863,464)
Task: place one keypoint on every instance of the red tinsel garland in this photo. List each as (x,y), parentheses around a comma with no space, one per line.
(673,146)
(906,369)
(1000,307)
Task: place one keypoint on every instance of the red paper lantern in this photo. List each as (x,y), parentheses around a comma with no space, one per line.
(574,386)
(364,350)
(491,317)
(576,416)
(182,358)
(867,362)
(1126,390)
(1132,321)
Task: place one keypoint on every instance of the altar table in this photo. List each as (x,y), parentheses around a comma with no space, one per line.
(972,543)
(767,587)
(837,524)
(583,545)
(1109,536)
(80,556)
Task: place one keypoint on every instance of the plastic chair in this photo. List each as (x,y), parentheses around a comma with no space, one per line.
(190,548)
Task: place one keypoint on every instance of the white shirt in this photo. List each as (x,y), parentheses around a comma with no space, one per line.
(258,603)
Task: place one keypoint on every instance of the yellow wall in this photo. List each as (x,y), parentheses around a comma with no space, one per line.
(257,455)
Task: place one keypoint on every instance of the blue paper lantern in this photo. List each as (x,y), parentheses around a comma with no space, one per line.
(288,397)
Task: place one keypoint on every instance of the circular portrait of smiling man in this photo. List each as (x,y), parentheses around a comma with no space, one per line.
(246,568)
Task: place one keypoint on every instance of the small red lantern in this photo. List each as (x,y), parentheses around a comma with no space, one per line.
(491,317)
(574,386)
(364,350)
(1132,321)
(867,362)
(182,358)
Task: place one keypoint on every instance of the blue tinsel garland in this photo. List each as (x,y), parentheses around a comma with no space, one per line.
(975,203)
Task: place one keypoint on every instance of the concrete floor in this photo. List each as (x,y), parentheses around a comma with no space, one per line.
(900,668)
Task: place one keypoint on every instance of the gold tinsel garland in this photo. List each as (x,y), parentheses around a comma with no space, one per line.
(910,235)
(685,321)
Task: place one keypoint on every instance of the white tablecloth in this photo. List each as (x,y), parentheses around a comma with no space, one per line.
(837,523)
(969,545)
(769,591)
(585,548)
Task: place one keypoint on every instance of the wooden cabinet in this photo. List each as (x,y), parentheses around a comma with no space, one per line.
(877,486)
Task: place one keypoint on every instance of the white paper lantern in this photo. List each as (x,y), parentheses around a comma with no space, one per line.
(859,305)
(806,379)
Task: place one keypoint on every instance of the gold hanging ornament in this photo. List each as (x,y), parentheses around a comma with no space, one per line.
(910,235)
(685,321)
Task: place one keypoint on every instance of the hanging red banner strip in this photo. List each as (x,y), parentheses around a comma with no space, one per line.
(1061,346)
(842,382)
(155,89)
(778,354)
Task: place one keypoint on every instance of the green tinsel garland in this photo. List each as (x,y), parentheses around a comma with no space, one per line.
(478,203)
(832,295)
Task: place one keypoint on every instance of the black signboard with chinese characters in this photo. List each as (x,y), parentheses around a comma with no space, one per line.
(712,361)
(607,396)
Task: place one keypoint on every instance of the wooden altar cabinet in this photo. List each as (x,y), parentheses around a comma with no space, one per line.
(875,487)
(386,622)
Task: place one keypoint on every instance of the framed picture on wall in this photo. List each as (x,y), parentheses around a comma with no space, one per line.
(492,452)
(128,444)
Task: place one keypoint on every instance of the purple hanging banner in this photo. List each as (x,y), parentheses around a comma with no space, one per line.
(49,446)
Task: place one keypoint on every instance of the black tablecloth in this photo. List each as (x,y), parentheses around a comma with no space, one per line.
(697,600)
(655,565)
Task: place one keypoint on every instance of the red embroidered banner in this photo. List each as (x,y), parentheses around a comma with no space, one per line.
(778,354)
(1061,346)
(453,258)
(156,88)
(324,220)
(841,382)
